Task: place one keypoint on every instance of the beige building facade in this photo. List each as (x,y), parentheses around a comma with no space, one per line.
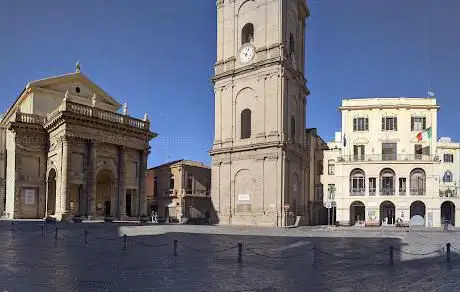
(180,189)
(66,151)
(259,158)
(388,164)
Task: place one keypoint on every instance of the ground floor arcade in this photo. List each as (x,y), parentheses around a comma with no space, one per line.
(416,212)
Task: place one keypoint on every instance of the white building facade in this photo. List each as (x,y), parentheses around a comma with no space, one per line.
(387,164)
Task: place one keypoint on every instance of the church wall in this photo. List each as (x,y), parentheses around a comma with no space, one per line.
(10,173)
(28,104)
(44,102)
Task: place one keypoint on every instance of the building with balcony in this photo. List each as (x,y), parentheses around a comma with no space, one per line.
(386,164)
(180,188)
(66,151)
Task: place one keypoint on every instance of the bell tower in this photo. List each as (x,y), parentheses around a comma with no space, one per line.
(258,154)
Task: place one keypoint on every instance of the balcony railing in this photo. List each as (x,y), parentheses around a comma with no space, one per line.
(357,192)
(417,192)
(89,111)
(388,157)
(402,192)
(29,118)
(84,110)
(198,193)
(448,193)
(387,192)
(372,191)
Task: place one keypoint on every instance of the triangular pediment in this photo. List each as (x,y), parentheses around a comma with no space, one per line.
(78,84)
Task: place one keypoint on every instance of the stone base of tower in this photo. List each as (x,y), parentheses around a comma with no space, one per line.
(267,219)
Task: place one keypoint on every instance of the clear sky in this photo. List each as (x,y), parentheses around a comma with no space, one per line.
(158,57)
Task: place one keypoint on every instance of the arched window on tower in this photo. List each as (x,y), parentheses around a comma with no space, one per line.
(247,33)
(291,45)
(293,128)
(246,124)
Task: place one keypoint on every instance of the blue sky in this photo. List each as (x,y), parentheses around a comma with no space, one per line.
(158,57)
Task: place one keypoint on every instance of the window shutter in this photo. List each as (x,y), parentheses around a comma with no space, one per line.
(366,124)
(383,124)
(354,124)
(412,123)
(424,123)
(396,124)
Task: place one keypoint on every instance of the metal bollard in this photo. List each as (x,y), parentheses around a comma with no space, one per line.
(391,256)
(86,236)
(125,242)
(240,252)
(448,252)
(43,230)
(175,247)
(55,236)
(313,255)
(12,226)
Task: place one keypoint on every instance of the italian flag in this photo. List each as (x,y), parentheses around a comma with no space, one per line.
(424,135)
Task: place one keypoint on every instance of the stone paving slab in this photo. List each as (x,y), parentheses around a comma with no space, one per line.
(273,259)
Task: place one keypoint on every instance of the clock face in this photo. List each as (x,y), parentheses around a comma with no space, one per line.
(247,53)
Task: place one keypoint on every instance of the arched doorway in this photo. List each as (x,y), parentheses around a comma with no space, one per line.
(51,199)
(417,213)
(448,212)
(387,212)
(357,213)
(104,193)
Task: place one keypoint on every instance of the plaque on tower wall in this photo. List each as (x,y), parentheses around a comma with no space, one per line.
(29,196)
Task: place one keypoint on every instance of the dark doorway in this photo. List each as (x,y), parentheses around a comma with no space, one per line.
(166,212)
(128,204)
(387,212)
(448,213)
(357,213)
(107,208)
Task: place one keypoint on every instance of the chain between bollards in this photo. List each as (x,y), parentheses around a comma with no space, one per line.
(240,252)
(175,247)
(448,252)
(125,242)
(86,236)
(391,254)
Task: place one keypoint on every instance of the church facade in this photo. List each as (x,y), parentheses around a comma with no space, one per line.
(259,153)
(66,150)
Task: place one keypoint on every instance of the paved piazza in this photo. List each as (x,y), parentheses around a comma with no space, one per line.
(32,259)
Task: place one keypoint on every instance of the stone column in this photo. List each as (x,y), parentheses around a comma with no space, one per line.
(65,206)
(2,196)
(91,179)
(122,182)
(142,179)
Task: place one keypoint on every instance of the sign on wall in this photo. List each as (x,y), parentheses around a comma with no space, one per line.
(243,199)
(29,196)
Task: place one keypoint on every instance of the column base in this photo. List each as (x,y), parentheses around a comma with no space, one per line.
(64,217)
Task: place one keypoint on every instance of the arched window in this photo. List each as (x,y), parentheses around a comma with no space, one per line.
(357,182)
(246,124)
(417,182)
(293,128)
(447,177)
(387,182)
(291,44)
(247,33)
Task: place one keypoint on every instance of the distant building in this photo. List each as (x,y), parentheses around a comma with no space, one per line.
(386,164)
(66,151)
(316,212)
(179,188)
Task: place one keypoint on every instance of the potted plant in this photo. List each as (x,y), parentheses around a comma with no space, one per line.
(77,218)
(144,219)
(109,219)
(50,219)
